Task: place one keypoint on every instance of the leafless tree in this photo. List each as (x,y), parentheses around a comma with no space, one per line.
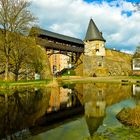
(137,52)
(137,6)
(14,17)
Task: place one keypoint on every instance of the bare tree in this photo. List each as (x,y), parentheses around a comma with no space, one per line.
(14,17)
(137,52)
(136,5)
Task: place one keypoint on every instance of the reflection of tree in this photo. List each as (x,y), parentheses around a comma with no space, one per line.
(28,106)
(24,107)
(137,6)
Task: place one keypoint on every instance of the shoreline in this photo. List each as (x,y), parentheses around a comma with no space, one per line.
(75,79)
(112,79)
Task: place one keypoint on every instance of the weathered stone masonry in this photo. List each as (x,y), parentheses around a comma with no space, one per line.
(100,61)
(115,64)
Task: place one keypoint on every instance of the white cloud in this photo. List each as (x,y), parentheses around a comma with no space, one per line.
(71,17)
(127,51)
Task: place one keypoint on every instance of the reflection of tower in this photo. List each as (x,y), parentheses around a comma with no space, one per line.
(95,112)
(100,103)
(93,123)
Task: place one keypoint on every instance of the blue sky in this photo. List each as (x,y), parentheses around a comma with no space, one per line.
(110,0)
(117,19)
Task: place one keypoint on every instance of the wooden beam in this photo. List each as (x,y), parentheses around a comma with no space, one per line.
(59,46)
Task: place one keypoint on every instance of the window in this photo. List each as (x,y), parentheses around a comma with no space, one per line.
(136,64)
(97,50)
(99,64)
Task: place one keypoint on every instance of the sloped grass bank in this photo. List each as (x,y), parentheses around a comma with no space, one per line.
(24,83)
(123,133)
(130,116)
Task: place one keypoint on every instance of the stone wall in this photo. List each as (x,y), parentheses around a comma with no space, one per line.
(95,48)
(79,66)
(114,63)
(136,73)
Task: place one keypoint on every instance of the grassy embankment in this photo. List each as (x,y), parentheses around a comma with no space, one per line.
(76,79)
(24,83)
(109,79)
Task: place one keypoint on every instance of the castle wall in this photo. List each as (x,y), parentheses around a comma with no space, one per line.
(113,64)
(118,63)
(79,69)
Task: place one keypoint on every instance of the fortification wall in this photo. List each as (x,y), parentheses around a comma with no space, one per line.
(114,63)
(79,68)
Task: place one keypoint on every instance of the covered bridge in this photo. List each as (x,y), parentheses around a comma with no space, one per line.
(55,41)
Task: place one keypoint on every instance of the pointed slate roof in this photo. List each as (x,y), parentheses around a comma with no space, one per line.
(93,32)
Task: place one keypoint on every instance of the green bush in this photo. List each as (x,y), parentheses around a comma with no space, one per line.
(69,73)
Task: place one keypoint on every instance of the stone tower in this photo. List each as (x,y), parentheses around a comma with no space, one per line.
(101,61)
(94,41)
(94,58)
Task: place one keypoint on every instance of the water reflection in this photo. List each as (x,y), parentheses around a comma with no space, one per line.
(21,108)
(95,112)
(136,94)
(101,103)
(97,97)
(29,107)
(35,111)
(63,105)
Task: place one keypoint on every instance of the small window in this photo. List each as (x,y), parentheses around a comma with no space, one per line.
(99,64)
(97,50)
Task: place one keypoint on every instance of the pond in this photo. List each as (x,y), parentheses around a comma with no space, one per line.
(70,112)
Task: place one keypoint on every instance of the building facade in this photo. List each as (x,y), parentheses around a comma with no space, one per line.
(136,63)
(58,62)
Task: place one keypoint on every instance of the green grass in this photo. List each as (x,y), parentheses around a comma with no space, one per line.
(72,73)
(116,79)
(24,83)
(134,77)
(123,133)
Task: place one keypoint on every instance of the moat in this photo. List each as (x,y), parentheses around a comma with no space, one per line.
(70,111)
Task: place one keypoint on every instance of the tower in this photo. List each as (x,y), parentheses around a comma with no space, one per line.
(94,55)
(99,61)
(94,41)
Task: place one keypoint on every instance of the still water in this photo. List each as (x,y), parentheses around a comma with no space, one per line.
(68,112)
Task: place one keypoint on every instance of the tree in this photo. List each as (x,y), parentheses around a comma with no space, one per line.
(39,62)
(136,5)
(14,17)
(37,58)
(27,58)
(137,52)
(20,54)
